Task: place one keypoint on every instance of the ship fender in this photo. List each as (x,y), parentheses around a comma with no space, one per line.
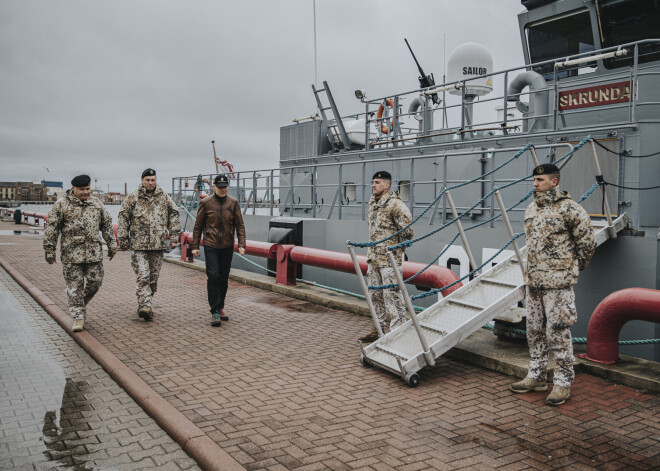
(539,98)
(610,316)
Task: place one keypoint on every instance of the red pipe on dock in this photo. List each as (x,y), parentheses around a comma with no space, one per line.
(610,316)
(434,276)
(288,256)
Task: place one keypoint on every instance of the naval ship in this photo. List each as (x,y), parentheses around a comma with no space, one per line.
(586,97)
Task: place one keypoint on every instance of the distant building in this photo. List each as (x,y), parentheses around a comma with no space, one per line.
(8,191)
(113,196)
(24,191)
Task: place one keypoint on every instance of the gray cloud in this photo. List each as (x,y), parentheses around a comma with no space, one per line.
(110,88)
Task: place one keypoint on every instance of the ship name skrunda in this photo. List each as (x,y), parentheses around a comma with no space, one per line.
(595,96)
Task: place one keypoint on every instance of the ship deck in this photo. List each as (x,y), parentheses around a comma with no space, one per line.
(279,385)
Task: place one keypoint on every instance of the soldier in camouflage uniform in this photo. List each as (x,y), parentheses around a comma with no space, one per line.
(79,218)
(387,215)
(145,218)
(560,243)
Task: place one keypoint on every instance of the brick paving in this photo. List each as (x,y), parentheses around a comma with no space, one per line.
(279,386)
(59,409)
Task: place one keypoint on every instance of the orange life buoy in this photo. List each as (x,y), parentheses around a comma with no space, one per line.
(379,116)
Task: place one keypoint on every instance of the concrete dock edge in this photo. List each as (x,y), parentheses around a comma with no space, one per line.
(208,455)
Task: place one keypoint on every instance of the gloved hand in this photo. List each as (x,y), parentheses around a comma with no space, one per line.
(111,253)
(50,257)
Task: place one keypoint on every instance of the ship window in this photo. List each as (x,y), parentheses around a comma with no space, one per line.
(404,190)
(560,37)
(350,192)
(626,22)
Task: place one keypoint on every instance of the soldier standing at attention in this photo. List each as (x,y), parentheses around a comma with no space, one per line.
(79,217)
(387,215)
(560,243)
(145,217)
(218,217)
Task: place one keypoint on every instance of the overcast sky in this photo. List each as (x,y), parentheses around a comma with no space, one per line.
(109,88)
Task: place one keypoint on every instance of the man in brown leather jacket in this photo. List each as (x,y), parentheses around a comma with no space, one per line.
(218,217)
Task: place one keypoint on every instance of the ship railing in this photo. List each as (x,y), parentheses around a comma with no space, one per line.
(297,190)
(457,118)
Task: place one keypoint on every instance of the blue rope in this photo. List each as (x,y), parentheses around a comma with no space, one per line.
(409,243)
(568,155)
(588,193)
(447,246)
(430,205)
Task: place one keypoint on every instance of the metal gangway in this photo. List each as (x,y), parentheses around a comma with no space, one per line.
(426,336)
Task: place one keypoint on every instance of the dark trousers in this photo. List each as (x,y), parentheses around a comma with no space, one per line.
(218,264)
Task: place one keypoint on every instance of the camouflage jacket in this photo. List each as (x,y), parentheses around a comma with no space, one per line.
(387,215)
(560,240)
(79,222)
(145,220)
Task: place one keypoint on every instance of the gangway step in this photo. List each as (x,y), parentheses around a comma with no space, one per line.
(506,284)
(467,304)
(458,315)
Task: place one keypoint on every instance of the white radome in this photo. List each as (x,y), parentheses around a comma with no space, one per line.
(467,61)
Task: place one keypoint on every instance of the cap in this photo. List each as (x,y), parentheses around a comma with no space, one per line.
(544,169)
(81,180)
(383,175)
(150,172)
(221,181)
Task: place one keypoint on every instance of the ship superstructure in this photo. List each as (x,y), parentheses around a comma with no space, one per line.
(591,68)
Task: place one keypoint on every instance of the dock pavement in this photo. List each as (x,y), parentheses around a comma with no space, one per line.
(279,386)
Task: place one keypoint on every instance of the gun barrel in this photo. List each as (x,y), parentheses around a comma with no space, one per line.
(421,71)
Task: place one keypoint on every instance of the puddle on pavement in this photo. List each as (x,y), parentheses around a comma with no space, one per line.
(61,428)
(6,233)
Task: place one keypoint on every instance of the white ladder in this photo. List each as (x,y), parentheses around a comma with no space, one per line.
(458,315)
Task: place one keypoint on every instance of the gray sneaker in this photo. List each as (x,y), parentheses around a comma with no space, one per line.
(558,395)
(527,385)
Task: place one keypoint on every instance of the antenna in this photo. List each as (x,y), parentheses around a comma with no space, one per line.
(316,79)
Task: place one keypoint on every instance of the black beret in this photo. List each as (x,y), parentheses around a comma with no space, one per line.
(81,180)
(150,172)
(383,175)
(544,169)
(221,181)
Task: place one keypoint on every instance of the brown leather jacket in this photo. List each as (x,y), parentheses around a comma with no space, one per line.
(219,219)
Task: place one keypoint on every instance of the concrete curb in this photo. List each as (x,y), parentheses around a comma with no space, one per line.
(208,455)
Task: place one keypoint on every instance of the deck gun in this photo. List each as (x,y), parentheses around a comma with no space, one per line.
(425,81)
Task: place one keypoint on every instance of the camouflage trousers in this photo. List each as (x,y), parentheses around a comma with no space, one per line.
(550,315)
(146,265)
(83,280)
(388,303)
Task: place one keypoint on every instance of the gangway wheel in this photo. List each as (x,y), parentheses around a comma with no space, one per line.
(364,361)
(412,380)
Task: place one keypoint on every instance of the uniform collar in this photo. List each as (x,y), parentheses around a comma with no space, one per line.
(143,191)
(75,200)
(383,199)
(550,197)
